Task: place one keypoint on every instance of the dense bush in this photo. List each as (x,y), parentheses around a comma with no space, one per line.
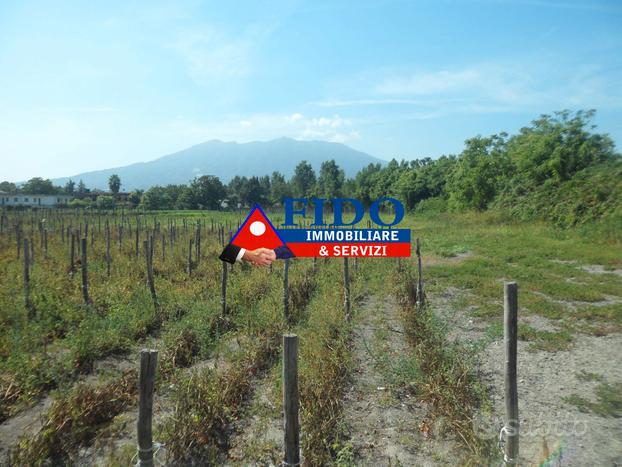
(594,193)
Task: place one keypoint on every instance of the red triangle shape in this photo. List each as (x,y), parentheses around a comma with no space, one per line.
(257,232)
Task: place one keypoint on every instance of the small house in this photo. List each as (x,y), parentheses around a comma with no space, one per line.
(44,201)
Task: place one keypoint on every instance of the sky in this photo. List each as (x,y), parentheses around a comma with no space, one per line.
(94,85)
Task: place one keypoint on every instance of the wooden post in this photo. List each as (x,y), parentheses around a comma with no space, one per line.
(290,400)
(108,258)
(148,364)
(420,295)
(286,290)
(189,265)
(346,288)
(72,254)
(45,243)
(137,240)
(26,276)
(198,244)
(163,247)
(223,289)
(510,337)
(85,283)
(18,238)
(149,263)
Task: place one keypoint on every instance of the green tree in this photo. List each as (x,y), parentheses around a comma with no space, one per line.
(114,183)
(252,191)
(384,182)
(480,173)
(186,199)
(82,187)
(234,191)
(70,187)
(208,192)
(364,182)
(304,180)
(331,179)
(556,147)
(39,186)
(279,188)
(8,187)
(134,198)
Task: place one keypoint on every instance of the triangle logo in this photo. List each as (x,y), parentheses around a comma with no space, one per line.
(257,232)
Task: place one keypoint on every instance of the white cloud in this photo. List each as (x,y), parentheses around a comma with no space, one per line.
(332,136)
(295,117)
(366,102)
(331,122)
(268,126)
(431,82)
(537,85)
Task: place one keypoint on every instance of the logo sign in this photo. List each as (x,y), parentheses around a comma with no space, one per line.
(321,239)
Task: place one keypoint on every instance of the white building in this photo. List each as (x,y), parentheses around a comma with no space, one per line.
(22,199)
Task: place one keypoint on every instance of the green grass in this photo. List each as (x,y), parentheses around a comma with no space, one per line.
(528,254)
(587,376)
(608,401)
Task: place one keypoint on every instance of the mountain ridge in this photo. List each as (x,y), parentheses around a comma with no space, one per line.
(226,159)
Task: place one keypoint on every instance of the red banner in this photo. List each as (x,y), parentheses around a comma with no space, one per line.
(366,250)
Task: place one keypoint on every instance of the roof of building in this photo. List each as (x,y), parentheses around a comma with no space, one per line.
(36,194)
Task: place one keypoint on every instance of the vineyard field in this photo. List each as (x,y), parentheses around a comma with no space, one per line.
(83,292)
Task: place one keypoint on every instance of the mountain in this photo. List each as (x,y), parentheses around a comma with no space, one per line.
(226,160)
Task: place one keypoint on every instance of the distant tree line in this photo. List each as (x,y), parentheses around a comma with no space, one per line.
(549,151)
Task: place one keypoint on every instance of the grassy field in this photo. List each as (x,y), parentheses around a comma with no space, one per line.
(75,364)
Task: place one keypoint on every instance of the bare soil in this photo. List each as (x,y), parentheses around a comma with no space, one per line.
(552,430)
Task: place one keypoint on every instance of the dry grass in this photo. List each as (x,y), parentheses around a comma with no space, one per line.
(74,419)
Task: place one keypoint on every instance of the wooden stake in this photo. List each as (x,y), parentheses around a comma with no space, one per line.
(223,289)
(149,263)
(148,365)
(189,265)
(72,254)
(27,303)
(286,290)
(420,295)
(85,282)
(510,337)
(137,240)
(18,238)
(163,247)
(108,257)
(346,288)
(291,400)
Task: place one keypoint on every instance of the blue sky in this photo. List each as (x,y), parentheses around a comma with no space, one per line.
(88,85)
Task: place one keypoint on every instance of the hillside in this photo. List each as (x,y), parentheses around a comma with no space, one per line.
(227,159)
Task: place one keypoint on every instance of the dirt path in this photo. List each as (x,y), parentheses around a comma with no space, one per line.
(26,422)
(387,426)
(258,438)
